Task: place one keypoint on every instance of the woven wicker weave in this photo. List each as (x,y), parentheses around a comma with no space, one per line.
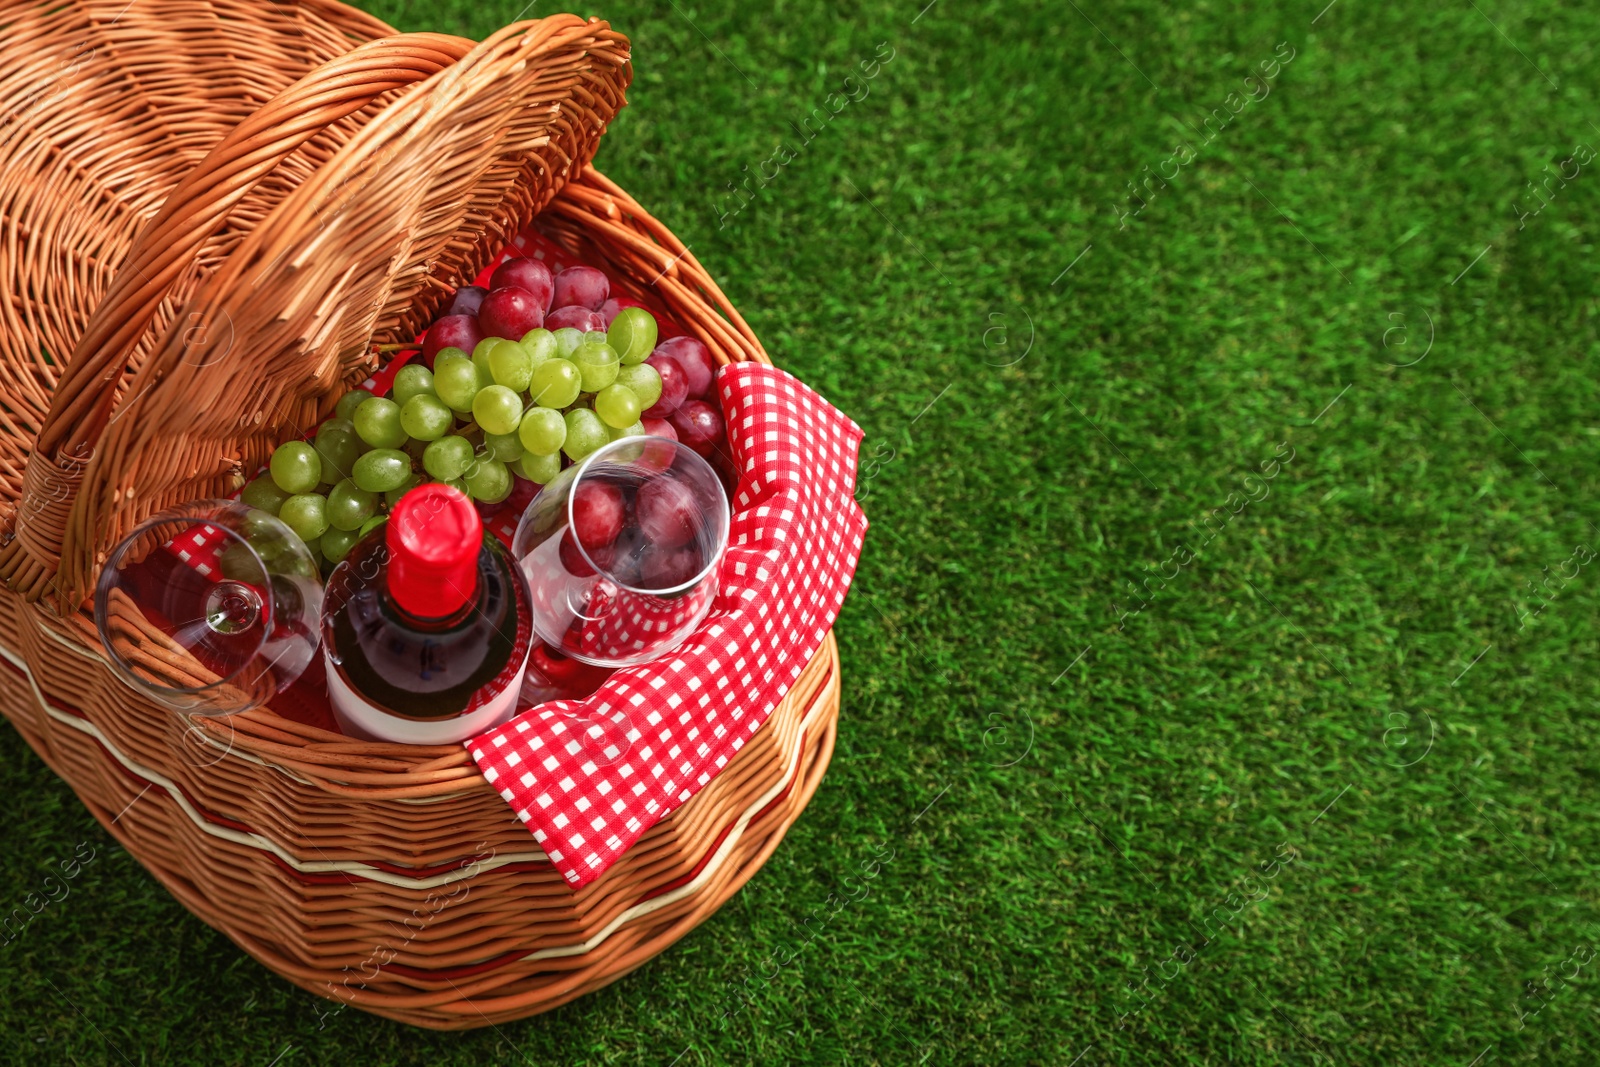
(213,211)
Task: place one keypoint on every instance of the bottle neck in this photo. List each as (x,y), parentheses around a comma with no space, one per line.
(436,624)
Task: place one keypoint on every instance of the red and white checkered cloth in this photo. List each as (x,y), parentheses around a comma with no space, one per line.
(590,777)
(617,623)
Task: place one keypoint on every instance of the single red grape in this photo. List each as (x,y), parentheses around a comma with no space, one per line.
(699,426)
(598,512)
(572,559)
(583,286)
(579,318)
(452,331)
(659,428)
(695,358)
(549,662)
(609,310)
(529,274)
(668,513)
(510,313)
(573,679)
(467,300)
(522,493)
(657,455)
(674,385)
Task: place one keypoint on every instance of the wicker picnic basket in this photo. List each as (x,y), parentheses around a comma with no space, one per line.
(213,210)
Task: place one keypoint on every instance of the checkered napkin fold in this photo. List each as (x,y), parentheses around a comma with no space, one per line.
(590,777)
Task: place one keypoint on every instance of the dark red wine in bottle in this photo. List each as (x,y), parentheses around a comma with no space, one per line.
(426,625)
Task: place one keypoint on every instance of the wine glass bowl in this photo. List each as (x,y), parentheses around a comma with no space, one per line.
(210,609)
(623,551)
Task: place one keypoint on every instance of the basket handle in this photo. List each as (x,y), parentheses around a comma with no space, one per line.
(164,249)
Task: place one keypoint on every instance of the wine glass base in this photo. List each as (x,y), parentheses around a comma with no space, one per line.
(232,607)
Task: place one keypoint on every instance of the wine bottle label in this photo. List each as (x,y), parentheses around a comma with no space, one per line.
(361,718)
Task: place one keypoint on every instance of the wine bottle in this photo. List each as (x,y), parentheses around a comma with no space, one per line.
(426,625)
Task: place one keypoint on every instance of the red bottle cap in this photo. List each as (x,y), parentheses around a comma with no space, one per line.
(434,537)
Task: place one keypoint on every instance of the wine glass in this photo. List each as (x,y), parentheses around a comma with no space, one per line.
(622,551)
(211,608)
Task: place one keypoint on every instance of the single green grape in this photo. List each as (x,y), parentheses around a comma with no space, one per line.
(349,506)
(459,485)
(556,383)
(539,469)
(614,433)
(448,458)
(456,382)
(633,334)
(540,344)
(378,423)
(542,431)
(449,352)
(480,358)
(644,381)
(306,514)
(413,379)
(336,424)
(597,365)
(510,365)
(370,525)
(568,338)
(585,433)
(263,493)
(617,406)
(296,468)
(338,452)
(336,544)
(426,417)
(392,497)
(347,405)
(505,447)
(497,409)
(381,469)
(488,481)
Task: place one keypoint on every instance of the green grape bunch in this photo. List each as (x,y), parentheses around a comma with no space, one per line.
(509,411)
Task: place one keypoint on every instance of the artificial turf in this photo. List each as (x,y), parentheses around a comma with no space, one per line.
(1307,779)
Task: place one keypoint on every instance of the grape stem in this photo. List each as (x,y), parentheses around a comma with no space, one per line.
(408,347)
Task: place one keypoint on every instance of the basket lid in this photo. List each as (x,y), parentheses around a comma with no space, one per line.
(90,152)
(367,247)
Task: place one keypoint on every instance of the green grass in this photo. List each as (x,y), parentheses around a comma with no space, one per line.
(1098,789)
